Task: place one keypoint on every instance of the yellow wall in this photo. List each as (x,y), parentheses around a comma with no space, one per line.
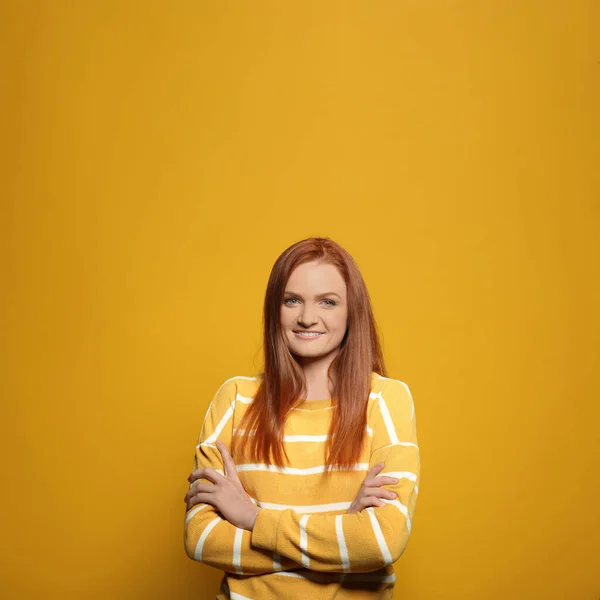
(160,155)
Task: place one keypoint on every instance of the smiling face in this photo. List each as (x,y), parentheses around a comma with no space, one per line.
(314,312)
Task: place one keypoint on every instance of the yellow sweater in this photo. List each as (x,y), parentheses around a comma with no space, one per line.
(304,545)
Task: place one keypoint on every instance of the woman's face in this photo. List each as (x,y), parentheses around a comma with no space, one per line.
(314,303)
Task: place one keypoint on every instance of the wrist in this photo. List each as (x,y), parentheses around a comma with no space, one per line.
(252,518)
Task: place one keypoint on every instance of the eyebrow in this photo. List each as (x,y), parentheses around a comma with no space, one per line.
(318,295)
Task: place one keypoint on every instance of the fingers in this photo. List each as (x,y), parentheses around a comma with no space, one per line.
(193,478)
(192,495)
(384,480)
(197,474)
(228,463)
(371,501)
(380,493)
(365,502)
(201,492)
(204,473)
(376,469)
(202,488)
(371,492)
(378,502)
(203,498)
(372,479)
(211,475)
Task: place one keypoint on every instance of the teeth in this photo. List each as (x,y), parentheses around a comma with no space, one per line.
(306,334)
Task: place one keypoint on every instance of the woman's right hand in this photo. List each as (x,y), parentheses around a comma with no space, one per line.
(191,499)
(370,494)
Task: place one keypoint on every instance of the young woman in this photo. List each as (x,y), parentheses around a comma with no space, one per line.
(309,525)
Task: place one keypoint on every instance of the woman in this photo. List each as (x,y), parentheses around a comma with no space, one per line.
(310,525)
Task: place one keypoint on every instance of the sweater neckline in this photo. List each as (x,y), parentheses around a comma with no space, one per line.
(305,404)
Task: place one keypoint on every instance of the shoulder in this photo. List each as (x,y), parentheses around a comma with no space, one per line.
(389,389)
(379,382)
(237,387)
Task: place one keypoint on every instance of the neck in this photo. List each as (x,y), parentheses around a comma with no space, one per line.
(316,375)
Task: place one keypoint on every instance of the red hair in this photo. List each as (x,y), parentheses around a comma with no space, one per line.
(282,382)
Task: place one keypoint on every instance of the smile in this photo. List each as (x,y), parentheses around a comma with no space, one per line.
(308,334)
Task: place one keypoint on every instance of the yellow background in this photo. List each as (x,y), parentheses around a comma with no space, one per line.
(158,156)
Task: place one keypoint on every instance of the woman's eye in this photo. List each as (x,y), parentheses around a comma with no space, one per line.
(294,300)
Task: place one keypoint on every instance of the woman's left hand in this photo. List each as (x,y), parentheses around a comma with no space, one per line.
(227,494)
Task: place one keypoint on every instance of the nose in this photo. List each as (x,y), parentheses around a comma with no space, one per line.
(306,317)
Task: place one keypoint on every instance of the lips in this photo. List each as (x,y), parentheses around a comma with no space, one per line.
(303,331)
(309,334)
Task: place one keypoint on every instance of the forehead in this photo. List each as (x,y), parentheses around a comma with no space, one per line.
(316,278)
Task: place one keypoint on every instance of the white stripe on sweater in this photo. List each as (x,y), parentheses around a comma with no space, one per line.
(304,541)
(387,419)
(294,470)
(207,530)
(291,438)
(401,508)
(307,508)
(341,540)
(305,438)
(400,475)
(236,596)
(237,550)
(220,387)
(385,553)
(412,410)
(288,438)
(193,511)
(398,444)
(327,577)
(239,377)
(214,436)
(243,399)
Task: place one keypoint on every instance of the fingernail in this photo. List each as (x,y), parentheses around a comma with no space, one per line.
(395,480)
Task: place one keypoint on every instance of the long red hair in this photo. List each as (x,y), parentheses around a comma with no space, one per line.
(282,382)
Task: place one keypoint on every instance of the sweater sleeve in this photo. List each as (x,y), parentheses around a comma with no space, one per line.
(374,537)
(208,537)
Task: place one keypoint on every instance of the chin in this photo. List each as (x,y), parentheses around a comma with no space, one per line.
(305,354)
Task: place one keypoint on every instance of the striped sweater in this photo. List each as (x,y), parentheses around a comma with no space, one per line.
(304,544)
